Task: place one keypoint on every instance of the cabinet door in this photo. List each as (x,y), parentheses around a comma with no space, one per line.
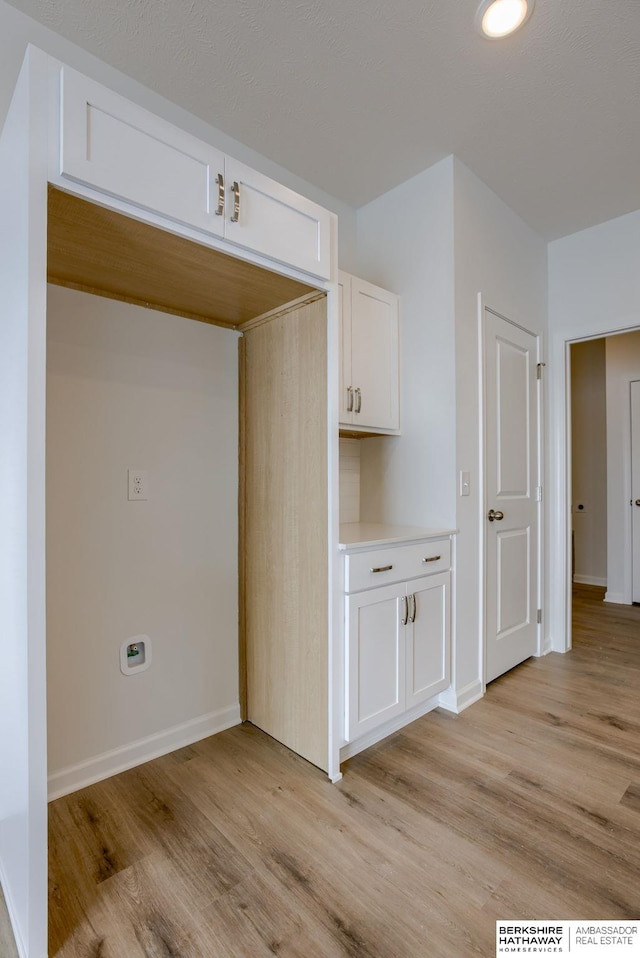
(344,311)
(266,217)
(375,659)
(375,356)
(116,147)
(428,638)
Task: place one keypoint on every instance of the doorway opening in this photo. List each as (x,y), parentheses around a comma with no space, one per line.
(600,500)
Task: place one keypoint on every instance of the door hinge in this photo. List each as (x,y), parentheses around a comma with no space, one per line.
(538,493)
(539,617)
(539,369)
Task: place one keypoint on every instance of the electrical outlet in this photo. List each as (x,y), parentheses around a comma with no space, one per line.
(138,484)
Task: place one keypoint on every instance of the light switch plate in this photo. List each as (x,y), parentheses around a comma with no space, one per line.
(465,484)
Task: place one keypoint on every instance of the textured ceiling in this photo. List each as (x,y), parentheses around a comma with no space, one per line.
(356,96)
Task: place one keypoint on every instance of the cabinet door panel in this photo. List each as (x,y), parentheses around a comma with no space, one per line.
(375,659)
(277,222)
(375,355)
(116,147)
(428,638)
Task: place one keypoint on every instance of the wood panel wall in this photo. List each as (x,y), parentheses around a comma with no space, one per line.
(284,520)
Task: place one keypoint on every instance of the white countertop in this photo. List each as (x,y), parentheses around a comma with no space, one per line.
(358,534)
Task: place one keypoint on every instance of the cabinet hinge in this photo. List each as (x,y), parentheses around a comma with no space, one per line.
(539,617)
(539,369)
(538,493)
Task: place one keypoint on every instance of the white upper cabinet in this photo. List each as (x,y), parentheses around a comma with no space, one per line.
(114,146)
(269,218)
(369,367)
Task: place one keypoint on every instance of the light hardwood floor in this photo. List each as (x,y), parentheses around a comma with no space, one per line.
(525,806)
(7,944)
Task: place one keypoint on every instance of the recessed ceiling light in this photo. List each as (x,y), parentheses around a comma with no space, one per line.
(499,18)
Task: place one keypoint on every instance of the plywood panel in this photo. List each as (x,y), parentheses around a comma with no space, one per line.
(103,252)
(285,528)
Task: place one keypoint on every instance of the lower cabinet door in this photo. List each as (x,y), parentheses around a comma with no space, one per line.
(428,638)
(375,664)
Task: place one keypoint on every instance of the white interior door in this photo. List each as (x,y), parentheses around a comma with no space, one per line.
(511,506)
(635,490)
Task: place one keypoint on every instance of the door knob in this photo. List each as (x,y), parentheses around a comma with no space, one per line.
(638,502)
(493,514)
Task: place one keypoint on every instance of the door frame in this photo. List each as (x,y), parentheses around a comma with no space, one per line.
(542,648)
(558,568)
(627,452)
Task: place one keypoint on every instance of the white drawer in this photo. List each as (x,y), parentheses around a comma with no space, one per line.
(366,570)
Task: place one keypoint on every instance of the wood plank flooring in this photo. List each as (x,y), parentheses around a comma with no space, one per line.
(7,942)
(527,805)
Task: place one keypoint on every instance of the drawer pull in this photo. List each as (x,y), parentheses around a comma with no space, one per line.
(382,568)
(432,558)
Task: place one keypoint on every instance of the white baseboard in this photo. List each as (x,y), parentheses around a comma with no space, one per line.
(589,580)
(394,725)
(103,766)
(6,890)
(616,597)
(458,701)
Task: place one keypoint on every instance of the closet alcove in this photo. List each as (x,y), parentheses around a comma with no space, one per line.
(281,560)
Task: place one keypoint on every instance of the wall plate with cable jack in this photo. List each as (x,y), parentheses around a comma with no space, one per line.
(135,654)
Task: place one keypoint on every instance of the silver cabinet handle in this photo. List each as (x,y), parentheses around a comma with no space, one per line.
(220,182)
(431,558)
(403,620)
(382,568)
(412,616)
(359,397)
(236,202)
(493,514)
(350,399)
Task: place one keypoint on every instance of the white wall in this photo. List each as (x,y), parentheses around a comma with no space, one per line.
(594,289)
(496,253)
(129,387)
(623,366)
(438,240)
(405,244)
(16,30)
(589,460)
(23,813)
